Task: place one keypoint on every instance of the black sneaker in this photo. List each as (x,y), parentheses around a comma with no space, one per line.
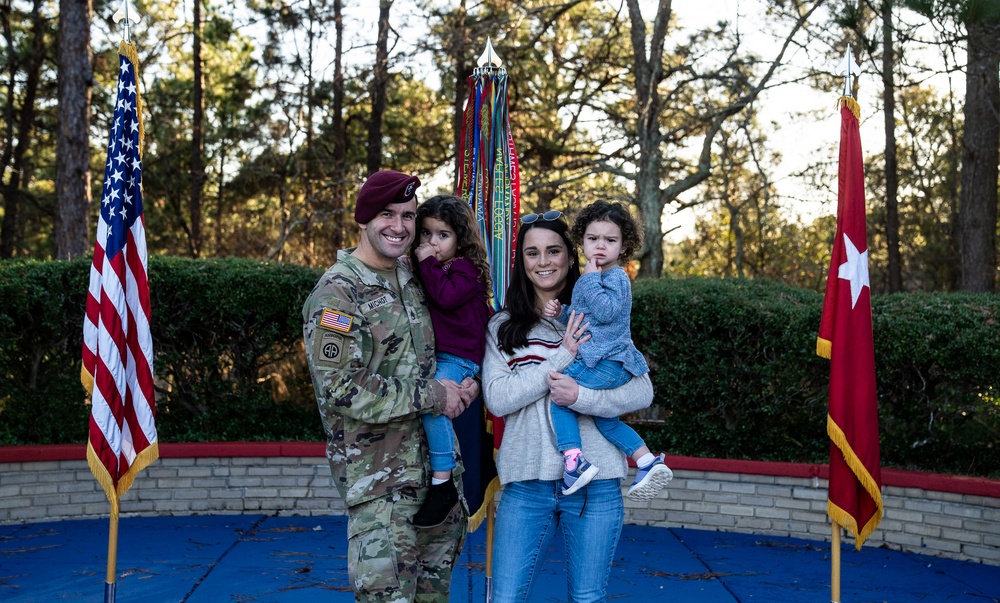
(441,499)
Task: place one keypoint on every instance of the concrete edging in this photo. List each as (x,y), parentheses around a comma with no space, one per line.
(950,516)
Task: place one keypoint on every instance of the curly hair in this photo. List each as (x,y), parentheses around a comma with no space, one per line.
(617,214)
(457,214)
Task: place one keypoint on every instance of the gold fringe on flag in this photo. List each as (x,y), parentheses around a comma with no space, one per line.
(850,103)
(104,478)
(477,518)
(824,347)
(127,50)
(87,379)
(842,517)
(143,460)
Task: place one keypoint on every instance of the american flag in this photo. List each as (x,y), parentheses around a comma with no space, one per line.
(335,320)
(117,346)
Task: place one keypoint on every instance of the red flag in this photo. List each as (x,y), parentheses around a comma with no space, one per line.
(845,337)
(117,346)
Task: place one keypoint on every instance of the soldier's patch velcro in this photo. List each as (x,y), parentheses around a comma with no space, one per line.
(336,321)
(330,350)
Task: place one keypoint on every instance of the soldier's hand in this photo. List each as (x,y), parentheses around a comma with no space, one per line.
(564,390)
(454,404)
(470,390)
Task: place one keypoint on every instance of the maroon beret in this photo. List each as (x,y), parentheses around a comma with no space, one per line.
(381,189)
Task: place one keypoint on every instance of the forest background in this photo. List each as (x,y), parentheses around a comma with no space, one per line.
(263,117)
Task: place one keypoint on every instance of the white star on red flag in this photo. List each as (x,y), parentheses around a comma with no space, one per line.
(855,269)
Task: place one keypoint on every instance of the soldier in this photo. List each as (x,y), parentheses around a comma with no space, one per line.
(370,347)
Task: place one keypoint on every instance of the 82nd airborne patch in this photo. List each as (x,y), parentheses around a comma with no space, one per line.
(329,349)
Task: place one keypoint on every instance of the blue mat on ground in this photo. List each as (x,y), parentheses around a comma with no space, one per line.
(258,558)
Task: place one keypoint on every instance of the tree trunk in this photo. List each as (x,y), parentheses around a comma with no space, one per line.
(459,51)
(648,72)
(14,162)
(739,238)
(895,267)
(981,141)
(547,193)
(339,192)
(648,75)
(197,136)
(308,169)
(379,81)
(72,230)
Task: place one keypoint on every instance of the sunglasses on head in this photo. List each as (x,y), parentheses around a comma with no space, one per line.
(549,216)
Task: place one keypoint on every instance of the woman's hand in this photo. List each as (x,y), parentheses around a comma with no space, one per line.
(563,390)
(576,333)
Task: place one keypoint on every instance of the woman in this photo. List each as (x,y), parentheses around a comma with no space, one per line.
(525,354)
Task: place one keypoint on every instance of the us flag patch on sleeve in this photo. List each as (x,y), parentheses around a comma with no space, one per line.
(335,320)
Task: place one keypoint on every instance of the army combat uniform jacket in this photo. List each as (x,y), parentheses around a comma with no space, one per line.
(371,356)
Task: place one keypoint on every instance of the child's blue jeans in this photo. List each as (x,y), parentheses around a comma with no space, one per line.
(607,374)
(440,435)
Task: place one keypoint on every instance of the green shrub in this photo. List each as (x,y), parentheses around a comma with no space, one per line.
(734,368)
(228,359)
(736,374)
(733,363)
(937,359)
(41,339)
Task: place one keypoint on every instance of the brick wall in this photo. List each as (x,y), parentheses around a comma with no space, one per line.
(949,524)
(949,516)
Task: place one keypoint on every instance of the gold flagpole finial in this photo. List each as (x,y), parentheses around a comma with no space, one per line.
(127,13)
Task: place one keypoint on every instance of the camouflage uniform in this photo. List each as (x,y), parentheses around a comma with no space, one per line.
(371,356)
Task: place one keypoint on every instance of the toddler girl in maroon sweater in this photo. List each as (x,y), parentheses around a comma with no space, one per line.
(450,261)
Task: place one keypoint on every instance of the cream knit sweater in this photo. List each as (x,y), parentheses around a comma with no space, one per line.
(515,388)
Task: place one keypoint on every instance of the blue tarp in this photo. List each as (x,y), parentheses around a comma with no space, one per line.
(258,558)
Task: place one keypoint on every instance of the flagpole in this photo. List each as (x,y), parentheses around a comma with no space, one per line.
(490,512)
(835,564)
(109,584)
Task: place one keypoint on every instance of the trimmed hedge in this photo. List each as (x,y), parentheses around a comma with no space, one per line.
(734,368)
(733,364)
(228,354)
(736,373)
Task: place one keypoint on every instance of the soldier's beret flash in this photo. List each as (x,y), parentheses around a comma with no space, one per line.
(381,189)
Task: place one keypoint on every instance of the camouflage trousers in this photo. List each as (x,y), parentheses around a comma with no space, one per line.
(390,561)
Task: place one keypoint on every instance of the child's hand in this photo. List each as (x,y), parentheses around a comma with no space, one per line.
(423,251)
(552,309)
(591,266)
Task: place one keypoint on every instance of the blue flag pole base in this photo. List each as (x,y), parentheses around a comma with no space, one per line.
(109,592)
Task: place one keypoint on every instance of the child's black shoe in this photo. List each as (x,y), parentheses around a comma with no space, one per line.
(441,499)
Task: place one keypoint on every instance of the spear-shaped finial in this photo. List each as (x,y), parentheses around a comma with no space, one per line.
(127,13)
(848,68)
(489,57)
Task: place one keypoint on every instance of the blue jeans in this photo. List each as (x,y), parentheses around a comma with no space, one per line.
(531,511)
(608,374)
(440,435)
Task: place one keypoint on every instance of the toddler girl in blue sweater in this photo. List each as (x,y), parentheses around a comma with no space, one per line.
(609,236)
